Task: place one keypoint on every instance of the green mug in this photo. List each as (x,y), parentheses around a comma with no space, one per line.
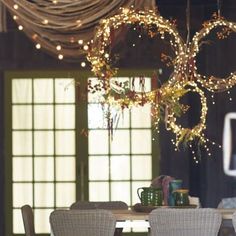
(150,196)
(181,197)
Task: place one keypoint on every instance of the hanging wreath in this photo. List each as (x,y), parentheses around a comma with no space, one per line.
(99,53)
(212,83)
(185,135)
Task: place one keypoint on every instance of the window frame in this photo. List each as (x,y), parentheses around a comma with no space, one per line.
(80,77)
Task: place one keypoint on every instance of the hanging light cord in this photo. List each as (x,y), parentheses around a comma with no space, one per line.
(188,21)
(219,8)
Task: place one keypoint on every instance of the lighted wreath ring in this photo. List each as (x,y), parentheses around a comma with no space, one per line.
(187,134)
(213,84)
(99,53)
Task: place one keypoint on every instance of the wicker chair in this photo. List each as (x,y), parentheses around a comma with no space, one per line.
(185,222)
(82,223)
(28,220)
(84,205)
(234,221)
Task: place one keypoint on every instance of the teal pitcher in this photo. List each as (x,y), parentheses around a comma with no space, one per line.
(150,196)
(173,185)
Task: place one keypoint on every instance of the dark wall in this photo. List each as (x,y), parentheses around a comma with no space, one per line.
(205,179)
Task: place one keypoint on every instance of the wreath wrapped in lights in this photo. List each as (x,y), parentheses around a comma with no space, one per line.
(213,84)
(165,100)
(99,55)
(186,135)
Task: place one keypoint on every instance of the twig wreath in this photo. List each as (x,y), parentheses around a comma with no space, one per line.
(213,84)
(185,78)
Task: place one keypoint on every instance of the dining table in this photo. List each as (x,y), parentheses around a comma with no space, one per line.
(130,218)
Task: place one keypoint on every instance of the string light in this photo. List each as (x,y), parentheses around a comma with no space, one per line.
(38,46)
(60,56)
(212,83)
(184,78)
(58,47)
(83,64)
(80,41)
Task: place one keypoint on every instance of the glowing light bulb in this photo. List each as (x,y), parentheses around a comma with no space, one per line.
(86,47)
(80,41)
(83,64)
(45,22)
(60,56)
(20,27)
(58,47)
(38,46)
(15,6)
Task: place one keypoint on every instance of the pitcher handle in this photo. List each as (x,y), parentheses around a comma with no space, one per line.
(138,190)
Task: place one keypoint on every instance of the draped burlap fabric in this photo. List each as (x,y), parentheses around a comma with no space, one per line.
(64,22)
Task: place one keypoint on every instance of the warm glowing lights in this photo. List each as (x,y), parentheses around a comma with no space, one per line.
(15,6)
(20,27)
(212,83)
(45,22)
(58,47)
(86,47)
(15,17)
(80,41)
(38,46)
(60,56)
(83,64)
(184,79)
(79,23)
(197,130)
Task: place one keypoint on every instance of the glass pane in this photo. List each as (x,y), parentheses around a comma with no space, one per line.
(120,167)
(65,90)
(41,220)
(65,168)
(135,186)
(120,143)
(22,142)
(43,90)
(65,142)
(123,120)
(22,169)
(18,227)
(44,194)
(65,194)
(43,168)
(141,117)
(120,191)
(21,90)
(141,141)
(99,191)
(147,84)
(43,117)
(65,117)
(98,121)
(142,167)
(43,142)
(98,142)
(94,97)
(22,117)
(22,194)
(98,168)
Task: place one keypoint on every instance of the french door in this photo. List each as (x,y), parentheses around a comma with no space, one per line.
(58,147)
